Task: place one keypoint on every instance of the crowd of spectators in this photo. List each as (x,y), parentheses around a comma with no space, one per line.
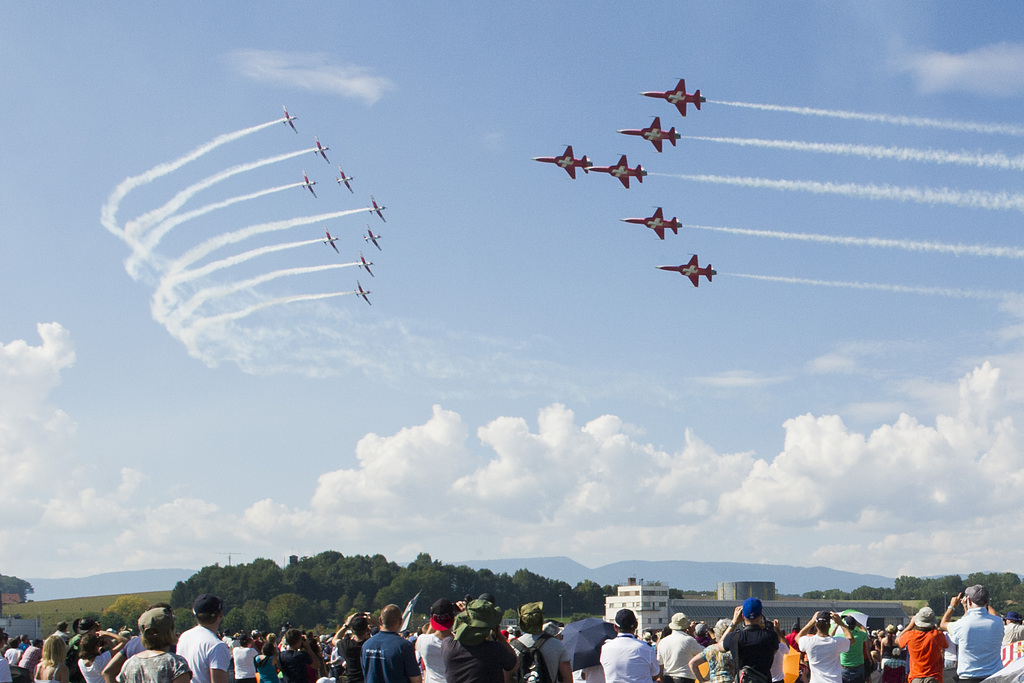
(463,642)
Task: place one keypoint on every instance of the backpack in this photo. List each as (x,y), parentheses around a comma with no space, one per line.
(532,667)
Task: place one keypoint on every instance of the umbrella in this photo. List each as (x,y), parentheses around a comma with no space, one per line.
(583,640)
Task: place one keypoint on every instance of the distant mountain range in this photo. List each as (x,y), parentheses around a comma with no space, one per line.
(111,583)
(686,575)
(681,574)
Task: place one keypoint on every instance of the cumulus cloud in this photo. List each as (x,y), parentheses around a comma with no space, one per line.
(889,501)
(310,72)
(996,70)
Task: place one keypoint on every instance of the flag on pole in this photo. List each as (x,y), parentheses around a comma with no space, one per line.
(407,614)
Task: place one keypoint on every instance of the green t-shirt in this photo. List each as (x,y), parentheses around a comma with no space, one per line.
(855,655)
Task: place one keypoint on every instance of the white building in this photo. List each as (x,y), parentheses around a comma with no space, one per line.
(649,603)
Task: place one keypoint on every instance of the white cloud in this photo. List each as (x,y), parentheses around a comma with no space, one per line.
(738,379)
(310,72)
(989,70)
(894,500)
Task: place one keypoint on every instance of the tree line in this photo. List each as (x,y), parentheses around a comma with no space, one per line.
(324,589)
(1004,588)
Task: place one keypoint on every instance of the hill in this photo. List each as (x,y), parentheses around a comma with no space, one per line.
(686,575)
(111,583)
(51,612)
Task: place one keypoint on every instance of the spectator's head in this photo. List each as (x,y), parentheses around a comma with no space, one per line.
(87,624)
(752,609)
(1013,617)
(89,646)
(244,640)
(442,615)
(850,622)
(891,629)
(360,625)
(978,595)
(208,609)
(531,617)
(821,621)
(721,626)
(625,621)
(62,626)
(293,637)
(679,622)
(925,618)
(156,628)
(269,649)
(391,617)
(54,651)
(700,629)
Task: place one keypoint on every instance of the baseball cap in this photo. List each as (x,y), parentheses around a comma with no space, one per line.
(752,608)
(207,604)
(158,620)
(625,619)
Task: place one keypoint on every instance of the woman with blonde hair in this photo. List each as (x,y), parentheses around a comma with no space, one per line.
(51,666)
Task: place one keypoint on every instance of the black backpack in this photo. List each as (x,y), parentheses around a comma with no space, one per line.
(532,667)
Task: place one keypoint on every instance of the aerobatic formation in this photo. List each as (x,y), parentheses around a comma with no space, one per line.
(322,150)
(656,135)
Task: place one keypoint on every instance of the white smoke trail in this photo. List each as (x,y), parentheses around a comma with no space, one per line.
(918,122)
(142,251)
(108,214)
(906,245)
(974,199)
(222,240)
(882,287)
(134,228)
(214,266)
(185,310)
(164,294)
(934,156)
(235,315)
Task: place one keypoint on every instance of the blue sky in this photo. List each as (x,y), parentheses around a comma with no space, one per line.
(525,382)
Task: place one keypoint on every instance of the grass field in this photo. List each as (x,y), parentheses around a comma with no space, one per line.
(51,612)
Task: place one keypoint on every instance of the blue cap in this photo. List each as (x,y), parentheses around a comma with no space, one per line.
(751,608)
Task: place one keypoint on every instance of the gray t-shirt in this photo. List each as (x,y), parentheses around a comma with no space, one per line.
(162,668)
(551,649)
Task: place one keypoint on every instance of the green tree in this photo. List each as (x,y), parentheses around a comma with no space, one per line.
(124,611)
(291,608)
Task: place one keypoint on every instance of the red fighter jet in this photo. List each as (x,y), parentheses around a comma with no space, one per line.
(654,133)
(568,162)
(321,150)
(622,171)
(345,178)
(679,97)
(331,240)
(377,209)
(370,237)
(692,271)
(288,118)
(308,184)
(657,223)
(365,264)
(362,292)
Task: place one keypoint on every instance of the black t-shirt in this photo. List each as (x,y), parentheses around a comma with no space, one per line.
(483,663)
(754,647)
(352,652)
(293,665)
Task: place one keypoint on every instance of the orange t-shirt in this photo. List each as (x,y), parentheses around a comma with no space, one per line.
(925,650)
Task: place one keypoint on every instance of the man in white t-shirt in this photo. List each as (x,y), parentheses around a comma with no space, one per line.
(207,655)
(823,650)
